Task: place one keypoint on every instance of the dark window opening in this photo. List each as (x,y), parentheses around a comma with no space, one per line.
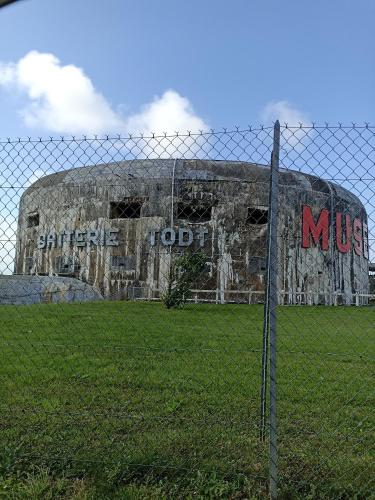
(123,262)
(257,216)
(194,213)
(29,264)
(125,210)
(257,265)
(66,265)
(33,220)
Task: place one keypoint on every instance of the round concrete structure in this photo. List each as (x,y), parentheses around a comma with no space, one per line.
(118,226)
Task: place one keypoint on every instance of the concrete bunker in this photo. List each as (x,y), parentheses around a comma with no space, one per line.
(118,226)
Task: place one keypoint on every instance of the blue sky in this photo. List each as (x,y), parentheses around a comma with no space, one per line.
(226,63)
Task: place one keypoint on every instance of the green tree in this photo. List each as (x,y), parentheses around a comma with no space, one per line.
(183,272)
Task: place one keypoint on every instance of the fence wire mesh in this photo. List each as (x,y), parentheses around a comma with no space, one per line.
(326,354)
(133,280)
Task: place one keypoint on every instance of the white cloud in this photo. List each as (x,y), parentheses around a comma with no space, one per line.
(63,99)
(293,137)
(285,112)
(169,113)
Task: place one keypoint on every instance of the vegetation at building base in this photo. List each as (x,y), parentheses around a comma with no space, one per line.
(166,403)
(183,273)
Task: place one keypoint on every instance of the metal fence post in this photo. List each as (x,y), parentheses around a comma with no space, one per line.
(263,392)
(266,314)
(273,296)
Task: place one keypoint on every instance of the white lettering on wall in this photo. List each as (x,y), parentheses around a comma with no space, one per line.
(92,237)
(183,237)
(168,236)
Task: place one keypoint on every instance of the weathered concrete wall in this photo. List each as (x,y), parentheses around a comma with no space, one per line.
(128,257)
(22,290)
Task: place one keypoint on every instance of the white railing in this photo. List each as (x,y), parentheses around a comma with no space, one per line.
(257,296)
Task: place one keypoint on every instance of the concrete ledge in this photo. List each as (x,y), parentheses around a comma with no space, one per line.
(18,289)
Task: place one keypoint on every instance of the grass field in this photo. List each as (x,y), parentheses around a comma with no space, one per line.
(130,400)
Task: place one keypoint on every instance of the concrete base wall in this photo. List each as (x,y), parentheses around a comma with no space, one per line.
(20,290)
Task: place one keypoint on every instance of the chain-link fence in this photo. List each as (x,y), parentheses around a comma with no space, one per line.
(141,298)
(325,352)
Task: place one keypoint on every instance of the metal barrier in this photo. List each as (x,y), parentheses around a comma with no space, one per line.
(177,311)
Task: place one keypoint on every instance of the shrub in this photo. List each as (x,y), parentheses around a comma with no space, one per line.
(183,272)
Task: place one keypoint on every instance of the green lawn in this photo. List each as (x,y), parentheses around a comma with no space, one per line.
(130,400)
